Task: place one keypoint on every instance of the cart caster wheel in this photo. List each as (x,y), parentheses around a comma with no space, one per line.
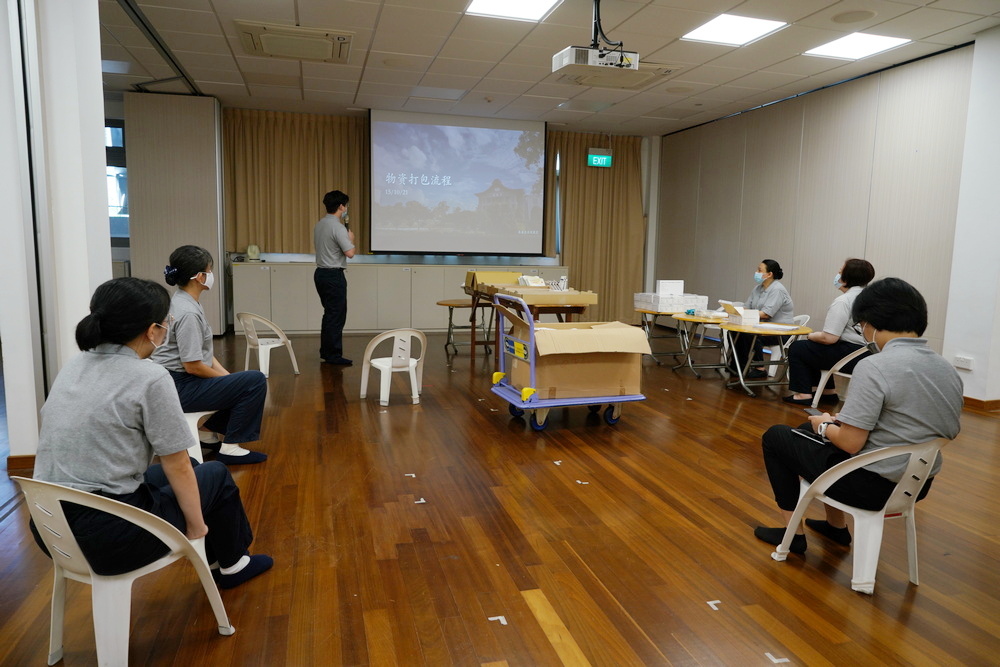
(535,425)
(514,410)
(609,415)
(594,408)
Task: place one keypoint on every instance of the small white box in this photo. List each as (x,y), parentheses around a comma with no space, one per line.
(670,287)
(747,317)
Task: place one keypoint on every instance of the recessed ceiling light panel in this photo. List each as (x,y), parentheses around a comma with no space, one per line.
(518,10)
(733,30)
(856,46)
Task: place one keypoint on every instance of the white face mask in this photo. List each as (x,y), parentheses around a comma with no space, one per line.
(166,335)
(870,344)
(209,279)
(837,281)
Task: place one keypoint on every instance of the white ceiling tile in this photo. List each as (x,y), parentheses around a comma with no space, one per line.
(401,61)
(281,12)
(197,42)
(983,7)
(711,74)
(329,86)
(388,102)
(883,10)
(573,14)
(965,33)
(124,81)
(415,43)
(554,36)
(345,99)
(183,20)
(286,66)
(535,102)
(264,79)
(804,65)
(643,44)
(506,86)
(605,94)
(426,105)
(483,29)
(902,54)
(729,93)
(148,57)
(331,71)
(215,75)
(204,5)
(766,80)
(450,81)
(923,22)
(399,77)
(461,67)
(447,5)
(338,15)
(530,55)
(664,21)
(792,41)
(688,53)
(781,10)
(115,52)
(225,90)
(520,72)
(564,116)
(129,36)
(384,89)
(556,89)
(484,102)
(479,50)
(112,14)
(677,88)
(421,22)
(206,60)
(275,92)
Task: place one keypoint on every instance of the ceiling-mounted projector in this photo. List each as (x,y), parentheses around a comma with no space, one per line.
(605,68)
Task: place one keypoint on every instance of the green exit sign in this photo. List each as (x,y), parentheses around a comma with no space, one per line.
(599,157)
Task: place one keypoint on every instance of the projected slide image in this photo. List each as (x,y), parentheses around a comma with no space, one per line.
(448,189)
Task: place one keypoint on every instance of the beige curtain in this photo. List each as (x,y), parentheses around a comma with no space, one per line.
(278,166)
(603,226)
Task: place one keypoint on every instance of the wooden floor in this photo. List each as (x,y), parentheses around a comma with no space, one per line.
(450,533)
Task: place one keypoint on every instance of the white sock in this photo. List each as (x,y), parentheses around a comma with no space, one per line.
(233,450)
(240,564)
(208,437)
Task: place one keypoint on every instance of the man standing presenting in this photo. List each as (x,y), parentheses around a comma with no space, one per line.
(334,244)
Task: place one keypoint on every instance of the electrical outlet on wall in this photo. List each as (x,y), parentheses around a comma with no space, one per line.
(963,362)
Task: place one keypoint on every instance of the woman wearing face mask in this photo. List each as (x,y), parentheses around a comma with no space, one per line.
(202,382)
(905,394)
(108,414)
(821,349)
(771,298)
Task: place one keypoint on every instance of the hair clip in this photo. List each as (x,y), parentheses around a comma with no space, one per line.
(169,271)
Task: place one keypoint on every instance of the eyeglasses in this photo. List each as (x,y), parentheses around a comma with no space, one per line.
(169,321)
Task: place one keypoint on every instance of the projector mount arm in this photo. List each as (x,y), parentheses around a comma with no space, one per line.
(599,35)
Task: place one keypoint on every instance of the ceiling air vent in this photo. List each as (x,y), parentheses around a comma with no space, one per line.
(283,41)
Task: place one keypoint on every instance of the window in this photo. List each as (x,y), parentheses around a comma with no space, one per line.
(117,182)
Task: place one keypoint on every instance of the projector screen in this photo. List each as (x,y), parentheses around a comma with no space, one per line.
(456,185)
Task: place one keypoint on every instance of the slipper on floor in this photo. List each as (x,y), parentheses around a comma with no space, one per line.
(258,564)
(246,459)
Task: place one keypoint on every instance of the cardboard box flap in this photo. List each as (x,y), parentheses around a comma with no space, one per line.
(475,278)
(588,337)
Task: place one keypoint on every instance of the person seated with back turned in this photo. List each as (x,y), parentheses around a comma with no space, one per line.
(906,394)
(108,413)
(807,359)
(771,298)
(202,382)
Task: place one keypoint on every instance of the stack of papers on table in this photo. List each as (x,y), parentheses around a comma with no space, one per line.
(773,326)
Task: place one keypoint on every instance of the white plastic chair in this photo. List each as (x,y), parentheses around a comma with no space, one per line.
(868,524)
(111,595)
(837,375)
(399,362)
(263,345)
(194,420)
(777,352)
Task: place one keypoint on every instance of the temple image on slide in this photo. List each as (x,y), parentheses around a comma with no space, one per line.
(503,205)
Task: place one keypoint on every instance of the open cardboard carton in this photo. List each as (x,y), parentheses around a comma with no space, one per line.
(478,280)
(546,296)
(580,359)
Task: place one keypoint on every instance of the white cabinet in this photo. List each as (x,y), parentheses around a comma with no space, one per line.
(379,296)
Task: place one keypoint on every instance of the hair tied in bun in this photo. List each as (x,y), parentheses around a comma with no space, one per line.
(169,271)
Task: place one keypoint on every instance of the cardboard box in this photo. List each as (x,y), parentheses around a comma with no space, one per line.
(473,279)
(669,287)
(539,296)
(581,359)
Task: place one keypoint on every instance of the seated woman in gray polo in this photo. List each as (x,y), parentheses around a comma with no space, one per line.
(202,382)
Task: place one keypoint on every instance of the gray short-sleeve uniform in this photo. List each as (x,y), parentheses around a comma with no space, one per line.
(773,300)
(331,241)
(905,394)
(108,413)
(838,317)
(190,336)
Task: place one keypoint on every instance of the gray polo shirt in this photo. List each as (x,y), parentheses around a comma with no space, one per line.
(190,336)
(331,241)
(838,317)
(774,300)
(108,413)
(905,394)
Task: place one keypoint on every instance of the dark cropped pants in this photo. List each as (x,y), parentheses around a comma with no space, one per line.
(238,399)
(808,359)
(113,545)
(788,456)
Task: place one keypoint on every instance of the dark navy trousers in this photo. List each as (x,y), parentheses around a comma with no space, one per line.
(238,399)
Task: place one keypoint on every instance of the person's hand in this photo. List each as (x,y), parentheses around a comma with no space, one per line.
(816,420)
(194,532)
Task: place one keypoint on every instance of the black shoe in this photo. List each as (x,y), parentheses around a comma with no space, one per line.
(258,564)
(775,535)
(338,361)
(245,459)
(798,401)
(829,398)
(756,374)
(839,535)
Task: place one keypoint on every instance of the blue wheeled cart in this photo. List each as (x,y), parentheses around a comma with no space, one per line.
(526,399)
